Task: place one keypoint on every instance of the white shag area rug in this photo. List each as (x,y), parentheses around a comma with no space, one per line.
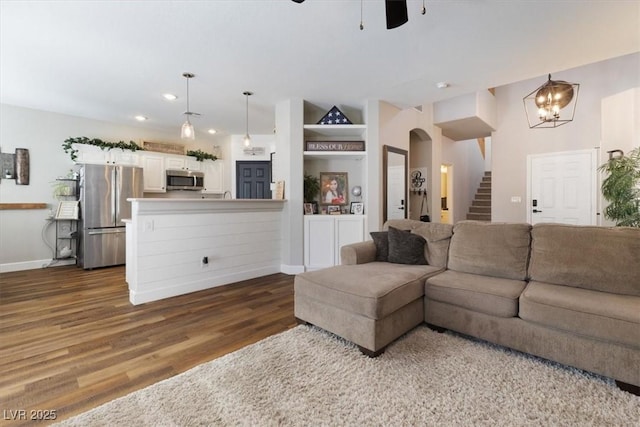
(308,377)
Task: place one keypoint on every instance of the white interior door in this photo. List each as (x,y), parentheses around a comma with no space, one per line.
(395,191)
(561,187)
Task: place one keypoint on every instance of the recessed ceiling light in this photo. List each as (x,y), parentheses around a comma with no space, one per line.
(141,118)
(212,131)
(442,85)
(169,96)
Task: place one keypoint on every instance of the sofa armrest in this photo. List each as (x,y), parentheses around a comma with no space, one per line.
(358,253)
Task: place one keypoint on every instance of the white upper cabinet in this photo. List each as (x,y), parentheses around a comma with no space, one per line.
(154,173)
(91,154)
(213,176)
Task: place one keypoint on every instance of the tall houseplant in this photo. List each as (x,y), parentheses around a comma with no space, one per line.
(621,188)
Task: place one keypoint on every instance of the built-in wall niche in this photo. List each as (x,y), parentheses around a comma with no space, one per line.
(15,166)
(313,112)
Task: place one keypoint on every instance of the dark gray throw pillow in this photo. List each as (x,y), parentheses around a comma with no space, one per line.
(382,245)
(406,247)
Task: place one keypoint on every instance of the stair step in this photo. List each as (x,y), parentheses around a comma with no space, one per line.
(479,216)
(487,173)
(480,209)
(484,202)
(483,196)
(485,184)
(484,190)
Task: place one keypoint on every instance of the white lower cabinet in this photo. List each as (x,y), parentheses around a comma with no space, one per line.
(324,235)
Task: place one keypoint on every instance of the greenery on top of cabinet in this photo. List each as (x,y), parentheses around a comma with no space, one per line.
(201,155)
(104,145)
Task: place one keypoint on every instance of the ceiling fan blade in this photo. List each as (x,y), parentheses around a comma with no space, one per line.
(396,13)
(298,1)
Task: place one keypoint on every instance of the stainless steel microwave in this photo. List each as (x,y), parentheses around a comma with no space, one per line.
(185,180)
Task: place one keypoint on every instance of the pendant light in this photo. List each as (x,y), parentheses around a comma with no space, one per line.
(551,105)
(187,128)
(247,138)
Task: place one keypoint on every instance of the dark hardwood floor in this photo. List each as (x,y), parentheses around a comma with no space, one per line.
(70,340)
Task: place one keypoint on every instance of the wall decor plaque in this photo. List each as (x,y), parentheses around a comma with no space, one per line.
(334,146)
(161,147)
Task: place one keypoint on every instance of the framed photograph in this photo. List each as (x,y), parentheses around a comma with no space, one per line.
(357,208)
(334,209)
(308,208)
(334,188)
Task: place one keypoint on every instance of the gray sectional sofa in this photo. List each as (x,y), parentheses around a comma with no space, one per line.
(566,293)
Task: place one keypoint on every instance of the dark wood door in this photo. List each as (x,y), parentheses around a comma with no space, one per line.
(253,180)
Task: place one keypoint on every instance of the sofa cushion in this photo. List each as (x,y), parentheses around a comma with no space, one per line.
(374,290)
(490,295)
(437,236)
(381,240)
(599,258)
(406,247)
(490,249)
(594,314)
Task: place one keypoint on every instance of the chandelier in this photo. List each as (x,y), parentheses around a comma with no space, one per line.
(551,105)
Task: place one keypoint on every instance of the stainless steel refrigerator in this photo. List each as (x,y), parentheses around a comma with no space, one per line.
(104,190)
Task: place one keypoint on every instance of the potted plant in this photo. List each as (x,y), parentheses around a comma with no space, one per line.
(311,188)
(621,188)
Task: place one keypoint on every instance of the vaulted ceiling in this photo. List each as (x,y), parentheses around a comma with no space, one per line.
(112,60)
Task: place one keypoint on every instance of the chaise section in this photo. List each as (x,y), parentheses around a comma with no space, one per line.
(369,304)
(370,300)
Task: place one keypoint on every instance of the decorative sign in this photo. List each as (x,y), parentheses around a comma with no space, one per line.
(254,151)
(334,146)
(164,148)
(418,179)
(335,117)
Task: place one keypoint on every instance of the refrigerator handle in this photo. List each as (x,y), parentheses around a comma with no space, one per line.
(114,199)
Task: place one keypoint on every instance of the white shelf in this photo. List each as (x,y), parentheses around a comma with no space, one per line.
(342,131)
(328,155)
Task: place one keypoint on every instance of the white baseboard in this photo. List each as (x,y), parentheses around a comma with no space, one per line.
(34,265)
(291,269)
(187,287)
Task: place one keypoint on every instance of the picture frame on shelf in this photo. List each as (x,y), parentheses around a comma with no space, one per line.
(308,208)
(334,209)
(334,188)
(357,208)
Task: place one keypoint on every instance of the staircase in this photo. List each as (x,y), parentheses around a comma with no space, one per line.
(480,209)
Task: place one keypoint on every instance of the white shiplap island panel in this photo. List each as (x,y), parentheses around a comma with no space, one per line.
(167,240)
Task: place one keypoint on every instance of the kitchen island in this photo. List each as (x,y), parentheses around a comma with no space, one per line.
(177,246)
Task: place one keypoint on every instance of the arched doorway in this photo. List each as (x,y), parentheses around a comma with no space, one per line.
(421,176)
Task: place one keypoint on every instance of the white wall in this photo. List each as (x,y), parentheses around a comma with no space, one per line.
(513,140)
(620,130)
(468,169)
(395,126)
(42,133)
